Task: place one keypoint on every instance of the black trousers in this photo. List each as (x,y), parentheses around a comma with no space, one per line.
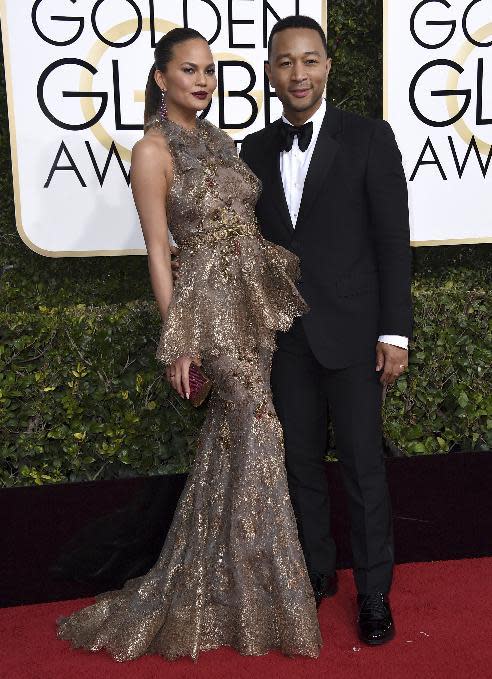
(303,393)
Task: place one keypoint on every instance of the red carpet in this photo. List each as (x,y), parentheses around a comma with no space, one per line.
(443,620)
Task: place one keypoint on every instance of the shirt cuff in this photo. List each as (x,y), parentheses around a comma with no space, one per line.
(395,340)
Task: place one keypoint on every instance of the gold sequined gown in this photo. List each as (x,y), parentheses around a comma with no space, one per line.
(231,571)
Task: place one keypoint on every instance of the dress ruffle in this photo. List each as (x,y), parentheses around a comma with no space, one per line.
(231,297)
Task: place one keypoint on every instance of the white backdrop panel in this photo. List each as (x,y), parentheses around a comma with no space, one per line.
(445,207)
(67,212)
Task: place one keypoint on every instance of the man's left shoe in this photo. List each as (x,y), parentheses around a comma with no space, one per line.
(375,621)
(324,586)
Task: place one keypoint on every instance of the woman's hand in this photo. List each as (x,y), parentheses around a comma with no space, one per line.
(178,374)
(174,261)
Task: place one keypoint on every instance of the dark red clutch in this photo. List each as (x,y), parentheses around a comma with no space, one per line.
(200,385)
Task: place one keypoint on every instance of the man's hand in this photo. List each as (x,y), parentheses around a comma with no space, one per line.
(174,261)
(391,360)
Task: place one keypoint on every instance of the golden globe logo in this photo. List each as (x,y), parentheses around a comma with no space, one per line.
(458,99)
(122,30)
(94,101)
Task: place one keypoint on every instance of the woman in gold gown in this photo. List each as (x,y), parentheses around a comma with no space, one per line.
(231,571)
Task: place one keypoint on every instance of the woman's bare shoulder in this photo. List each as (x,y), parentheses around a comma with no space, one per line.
(153,147)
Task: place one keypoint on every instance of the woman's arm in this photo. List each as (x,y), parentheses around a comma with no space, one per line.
(150,172)
(150,177)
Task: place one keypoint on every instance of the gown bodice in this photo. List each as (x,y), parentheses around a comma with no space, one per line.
(235,289)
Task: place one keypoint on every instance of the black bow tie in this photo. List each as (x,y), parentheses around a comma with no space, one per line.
(304,134)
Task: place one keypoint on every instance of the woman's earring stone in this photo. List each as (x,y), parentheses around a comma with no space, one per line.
(163,107)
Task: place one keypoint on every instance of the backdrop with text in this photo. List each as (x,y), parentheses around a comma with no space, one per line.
(74,123)
(76,74)
(438,99)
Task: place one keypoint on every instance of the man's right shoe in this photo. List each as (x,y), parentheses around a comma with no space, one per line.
(375,621)
(323,586)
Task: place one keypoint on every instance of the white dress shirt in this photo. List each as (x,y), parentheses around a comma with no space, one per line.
(294,166)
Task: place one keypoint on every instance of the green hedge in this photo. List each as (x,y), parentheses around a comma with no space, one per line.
(355,39)
(444,403)
(81,396)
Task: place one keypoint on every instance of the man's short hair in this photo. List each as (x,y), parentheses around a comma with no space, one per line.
(299,21)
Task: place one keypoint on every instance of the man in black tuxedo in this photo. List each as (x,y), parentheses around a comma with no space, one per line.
(334,193)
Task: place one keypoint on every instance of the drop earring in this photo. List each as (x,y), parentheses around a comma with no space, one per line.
(163,107)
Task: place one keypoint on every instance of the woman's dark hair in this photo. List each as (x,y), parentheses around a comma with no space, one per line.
(163,53)
(299,21)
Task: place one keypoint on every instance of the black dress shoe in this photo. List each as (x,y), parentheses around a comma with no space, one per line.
(375,621)
(323,586)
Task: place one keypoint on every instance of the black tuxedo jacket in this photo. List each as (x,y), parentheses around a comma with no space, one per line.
(352,233)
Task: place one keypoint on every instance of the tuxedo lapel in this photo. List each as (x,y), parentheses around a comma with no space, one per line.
(276,190)
(323,157)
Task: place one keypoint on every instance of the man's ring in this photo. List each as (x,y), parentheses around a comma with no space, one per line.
(402,367)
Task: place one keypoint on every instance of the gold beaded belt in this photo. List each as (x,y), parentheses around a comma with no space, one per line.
(222,233)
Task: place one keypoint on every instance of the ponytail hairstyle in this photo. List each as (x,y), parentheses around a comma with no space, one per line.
(163,53)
